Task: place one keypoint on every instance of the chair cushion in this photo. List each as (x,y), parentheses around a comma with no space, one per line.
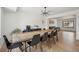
(15,45)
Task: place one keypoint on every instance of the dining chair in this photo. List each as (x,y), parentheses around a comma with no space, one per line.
(55,34)
(57,28)
(11,46)
(51,27)
(50,36)
(34,42)
(44,37)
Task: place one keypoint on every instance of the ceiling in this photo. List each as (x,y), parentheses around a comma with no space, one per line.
(56,10)
(53,10)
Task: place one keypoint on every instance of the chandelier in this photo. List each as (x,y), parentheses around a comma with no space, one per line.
(45,12)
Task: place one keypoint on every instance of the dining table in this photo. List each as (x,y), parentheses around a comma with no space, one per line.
(27,36)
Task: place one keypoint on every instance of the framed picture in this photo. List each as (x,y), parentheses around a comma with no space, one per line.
(68,24)
(51,21)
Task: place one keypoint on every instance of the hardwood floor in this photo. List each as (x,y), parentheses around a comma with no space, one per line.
(66,43)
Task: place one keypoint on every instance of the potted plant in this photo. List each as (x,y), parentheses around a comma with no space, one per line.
(17,30)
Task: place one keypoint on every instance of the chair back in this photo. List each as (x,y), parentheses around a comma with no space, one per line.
(51,34)
(45,36)
(6,40)
(28,29)
(55,33)
(58,28)
(51,27)
(35,39)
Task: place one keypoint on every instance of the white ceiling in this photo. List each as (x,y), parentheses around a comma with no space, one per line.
(54,10)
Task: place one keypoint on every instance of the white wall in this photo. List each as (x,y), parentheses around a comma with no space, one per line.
(13,9)
(0,21)
(77,26)
(55,22)
(76,12)
(71,18)
(13,20)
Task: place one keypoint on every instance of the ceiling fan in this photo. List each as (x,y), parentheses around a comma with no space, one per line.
(45,12)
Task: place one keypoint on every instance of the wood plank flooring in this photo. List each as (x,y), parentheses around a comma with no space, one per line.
(67,43)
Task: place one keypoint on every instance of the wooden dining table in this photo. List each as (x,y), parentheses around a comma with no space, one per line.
(20,37)
(27,36)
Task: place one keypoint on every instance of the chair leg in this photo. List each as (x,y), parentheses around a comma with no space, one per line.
(21,49)
(9,50)
(30,48)
(57,38)
(36,46)
(25,47)
(41,47)
(54,41)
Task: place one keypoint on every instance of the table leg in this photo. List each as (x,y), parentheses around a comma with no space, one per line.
(25,47)
(41,47)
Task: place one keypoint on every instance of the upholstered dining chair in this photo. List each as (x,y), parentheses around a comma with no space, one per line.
(11,46)
(55,34)
(44,39)
(34,42)
(50,36)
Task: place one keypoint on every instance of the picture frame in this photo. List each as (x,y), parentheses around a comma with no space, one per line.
(68,23)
